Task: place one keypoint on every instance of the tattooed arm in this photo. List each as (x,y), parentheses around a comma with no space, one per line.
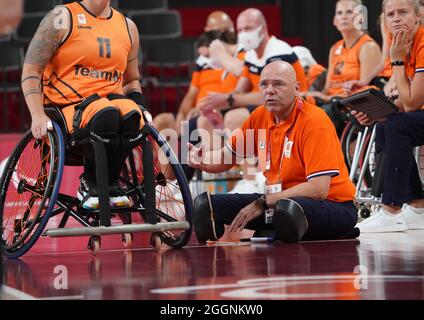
(52,31)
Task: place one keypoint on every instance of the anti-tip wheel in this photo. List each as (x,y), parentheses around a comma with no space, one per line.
(94,244)
(156,241)
(127,240)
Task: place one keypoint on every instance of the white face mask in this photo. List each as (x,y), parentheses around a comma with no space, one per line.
(251,40)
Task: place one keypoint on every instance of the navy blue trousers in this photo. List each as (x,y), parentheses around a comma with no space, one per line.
(326,219)
(398,136)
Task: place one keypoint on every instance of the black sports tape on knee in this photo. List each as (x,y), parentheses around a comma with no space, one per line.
(105,121)
(131,122)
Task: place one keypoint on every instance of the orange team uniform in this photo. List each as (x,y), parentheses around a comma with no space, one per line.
(388,71)
(300,148)
(315,71)
(229,80)
(415,64)
(206,78)
(275,50)
(92,59)
(345,65)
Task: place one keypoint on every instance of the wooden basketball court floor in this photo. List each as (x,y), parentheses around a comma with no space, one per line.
(374,266)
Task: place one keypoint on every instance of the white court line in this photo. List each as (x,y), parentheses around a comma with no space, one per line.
(79,297)
(8,293)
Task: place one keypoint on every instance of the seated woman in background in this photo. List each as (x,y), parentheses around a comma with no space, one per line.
(352,58)
(402,200)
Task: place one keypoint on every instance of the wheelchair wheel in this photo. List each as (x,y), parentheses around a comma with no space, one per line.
(348,141)
(173,197)
(419,158)
(28,190)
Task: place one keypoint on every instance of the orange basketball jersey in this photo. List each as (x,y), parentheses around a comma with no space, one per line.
(345,65)
(92,59)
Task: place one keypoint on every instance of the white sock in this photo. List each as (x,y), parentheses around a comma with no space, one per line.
(417,210)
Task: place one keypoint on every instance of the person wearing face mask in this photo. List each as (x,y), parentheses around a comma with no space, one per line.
(261,48)
(209,75)
(403,199)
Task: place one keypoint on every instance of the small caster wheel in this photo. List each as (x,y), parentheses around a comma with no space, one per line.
(94,244)
(156,241)
(364,212)
(127,240)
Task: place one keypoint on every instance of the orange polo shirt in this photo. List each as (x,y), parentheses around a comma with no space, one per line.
(302,147)
(416,60)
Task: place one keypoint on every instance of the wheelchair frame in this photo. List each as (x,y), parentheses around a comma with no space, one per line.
(363,196)
(94,222)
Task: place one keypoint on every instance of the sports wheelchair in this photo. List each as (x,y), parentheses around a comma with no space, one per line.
(30,192)
(363,165)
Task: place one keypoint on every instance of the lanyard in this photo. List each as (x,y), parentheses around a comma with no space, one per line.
(298,107)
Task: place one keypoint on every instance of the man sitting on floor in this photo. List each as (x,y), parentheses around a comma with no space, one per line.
(308,193)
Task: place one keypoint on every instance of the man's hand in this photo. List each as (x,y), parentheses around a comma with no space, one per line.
(216,50)
(196,156)
(247,214)
(40,124)
(213,101)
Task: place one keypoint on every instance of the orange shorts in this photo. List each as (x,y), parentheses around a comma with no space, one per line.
(124,106)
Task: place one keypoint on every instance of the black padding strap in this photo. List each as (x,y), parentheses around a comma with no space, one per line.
(79,109)
(205,225)
(138,98)
(289,221)
(102,182)
(149,182)
(116,96)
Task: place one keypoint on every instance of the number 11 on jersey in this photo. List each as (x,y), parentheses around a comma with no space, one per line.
(104,42)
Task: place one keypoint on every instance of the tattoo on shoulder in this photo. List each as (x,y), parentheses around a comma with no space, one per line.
(48,37)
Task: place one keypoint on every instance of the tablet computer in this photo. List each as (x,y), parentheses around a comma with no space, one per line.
(371,102)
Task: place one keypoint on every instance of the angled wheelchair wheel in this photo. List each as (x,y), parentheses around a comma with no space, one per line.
(173,197)
(29,187)
(419,158)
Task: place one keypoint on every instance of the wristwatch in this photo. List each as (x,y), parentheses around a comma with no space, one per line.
(262,202)
(398,63)
(230,100)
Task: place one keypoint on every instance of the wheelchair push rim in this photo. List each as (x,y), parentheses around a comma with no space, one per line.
(28,190)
